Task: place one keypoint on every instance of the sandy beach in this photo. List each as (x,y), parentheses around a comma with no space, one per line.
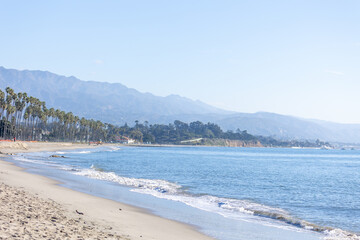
(36,207)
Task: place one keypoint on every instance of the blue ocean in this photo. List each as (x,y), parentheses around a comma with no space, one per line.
(227,193)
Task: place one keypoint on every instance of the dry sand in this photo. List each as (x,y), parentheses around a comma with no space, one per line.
(35,207)
(26,216)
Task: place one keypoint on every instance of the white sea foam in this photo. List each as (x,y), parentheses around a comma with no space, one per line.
(339,234)
(231,208)
(156,185)
(82,152)
(113,149)
(204,202)
(24,159)
(101,149)
(68,168)
(39,161)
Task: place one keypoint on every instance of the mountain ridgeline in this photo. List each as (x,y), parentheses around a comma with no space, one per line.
(109,102)
(116,104)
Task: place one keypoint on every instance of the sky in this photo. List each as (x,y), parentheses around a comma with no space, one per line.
(299,58)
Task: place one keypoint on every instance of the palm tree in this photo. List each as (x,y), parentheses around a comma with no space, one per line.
(2,109)
(2,103)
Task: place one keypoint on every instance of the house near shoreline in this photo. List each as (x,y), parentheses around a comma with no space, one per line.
(125,140)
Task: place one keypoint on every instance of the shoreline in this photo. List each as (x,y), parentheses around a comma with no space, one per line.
(120,220)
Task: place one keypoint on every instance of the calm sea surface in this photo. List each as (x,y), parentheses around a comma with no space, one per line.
(304,190)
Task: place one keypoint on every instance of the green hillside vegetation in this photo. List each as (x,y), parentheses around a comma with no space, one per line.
(27,118)
(117,104)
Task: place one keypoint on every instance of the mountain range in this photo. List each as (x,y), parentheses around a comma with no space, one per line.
(118,104)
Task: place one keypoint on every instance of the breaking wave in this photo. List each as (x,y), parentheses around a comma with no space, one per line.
(156,185)
(230,208)
(94,150)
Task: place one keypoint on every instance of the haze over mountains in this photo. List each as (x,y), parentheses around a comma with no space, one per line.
(117,104)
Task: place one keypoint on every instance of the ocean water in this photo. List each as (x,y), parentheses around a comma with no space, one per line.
(228,193)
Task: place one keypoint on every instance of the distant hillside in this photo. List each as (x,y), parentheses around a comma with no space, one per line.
(278,126)
(115,103)
(288,127)
(109,102)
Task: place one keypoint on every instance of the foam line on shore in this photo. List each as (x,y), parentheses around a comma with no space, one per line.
(231,208)
(223,206)
(130,222)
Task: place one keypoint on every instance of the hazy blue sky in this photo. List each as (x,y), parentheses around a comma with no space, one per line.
(291,57)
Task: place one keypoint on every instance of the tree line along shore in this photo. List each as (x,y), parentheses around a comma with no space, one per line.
(27,118)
